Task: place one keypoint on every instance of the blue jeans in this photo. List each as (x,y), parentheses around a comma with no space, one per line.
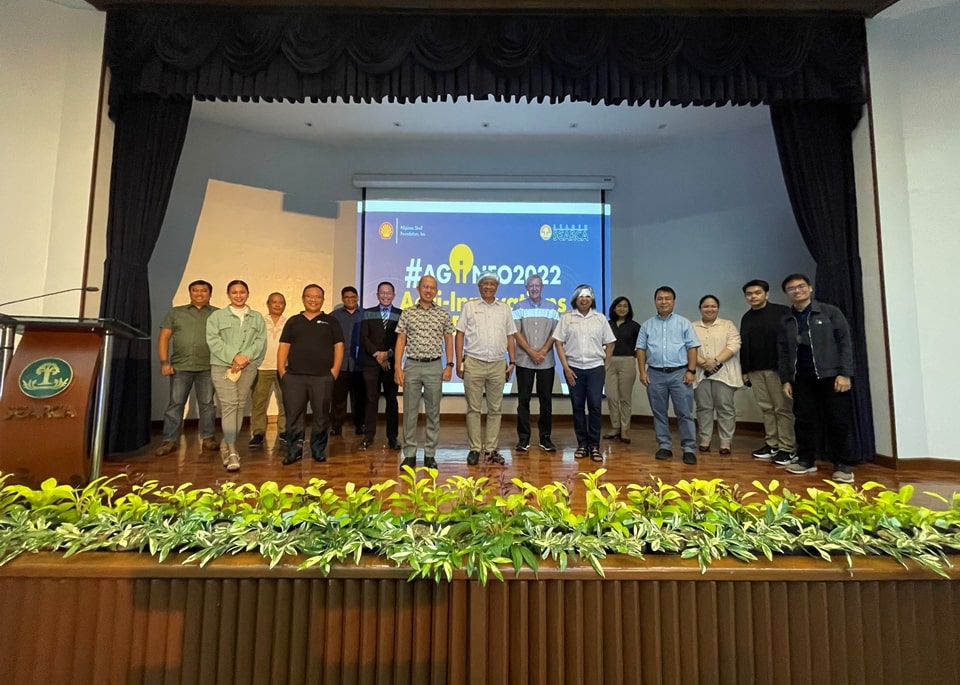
(587,391)
(666,387)
(180,384)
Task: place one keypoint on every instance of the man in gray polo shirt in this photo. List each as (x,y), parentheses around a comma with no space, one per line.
(535,318)
(485,333)
(185,358)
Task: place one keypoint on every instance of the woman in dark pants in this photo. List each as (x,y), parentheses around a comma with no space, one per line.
(584,347)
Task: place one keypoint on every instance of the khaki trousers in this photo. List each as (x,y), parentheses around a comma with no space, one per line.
(776,408)
(266,381)
(480,377)
(621,376)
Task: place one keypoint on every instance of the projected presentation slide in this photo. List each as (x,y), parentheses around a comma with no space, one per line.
(456,242)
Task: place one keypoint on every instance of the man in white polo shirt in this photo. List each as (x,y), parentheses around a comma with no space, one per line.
(485,333)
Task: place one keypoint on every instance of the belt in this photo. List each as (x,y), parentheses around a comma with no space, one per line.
(432,359)
(667,369)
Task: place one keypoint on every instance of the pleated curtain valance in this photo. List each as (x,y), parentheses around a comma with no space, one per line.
(610,59)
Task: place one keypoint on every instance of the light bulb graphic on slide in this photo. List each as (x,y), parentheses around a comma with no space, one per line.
(461,262)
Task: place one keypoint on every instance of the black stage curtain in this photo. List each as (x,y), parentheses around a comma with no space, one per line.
(787,62)
(814,141)
(404,57)
(148,139)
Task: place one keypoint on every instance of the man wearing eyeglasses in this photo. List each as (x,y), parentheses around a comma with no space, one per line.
(816,365)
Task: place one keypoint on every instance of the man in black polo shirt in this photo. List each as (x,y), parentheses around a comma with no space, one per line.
(308,361)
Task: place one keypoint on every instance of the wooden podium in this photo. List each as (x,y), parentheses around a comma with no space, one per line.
(53,396)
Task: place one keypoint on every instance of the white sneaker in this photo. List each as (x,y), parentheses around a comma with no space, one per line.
(799,469)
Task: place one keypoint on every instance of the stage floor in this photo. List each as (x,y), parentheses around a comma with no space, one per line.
(633,463)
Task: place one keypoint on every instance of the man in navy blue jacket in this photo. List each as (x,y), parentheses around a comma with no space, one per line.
(816,368)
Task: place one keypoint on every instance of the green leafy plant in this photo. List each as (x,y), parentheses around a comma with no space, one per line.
(469,525)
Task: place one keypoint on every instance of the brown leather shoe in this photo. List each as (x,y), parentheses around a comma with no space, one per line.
(166,447)
(210,445)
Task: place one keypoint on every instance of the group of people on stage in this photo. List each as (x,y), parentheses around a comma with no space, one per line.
(798,361)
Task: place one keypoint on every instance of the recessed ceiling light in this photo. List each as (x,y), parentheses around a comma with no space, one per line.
(308,123)
(486,124)
(574,125)
(661,127)
(396,124)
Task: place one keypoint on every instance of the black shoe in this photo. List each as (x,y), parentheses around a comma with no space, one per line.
(765,452)
(409,461)
(282,438)
(256,442)
(494,457)
(625,441)
(360,430)
(689,458)
(430,463)
(612,436)
(704,448)
(473,457)
(784,458)
(292,457)
(546,444)
(364,445)
(394,444)
(334,432)
(322,456)
(523,446)
(663,454)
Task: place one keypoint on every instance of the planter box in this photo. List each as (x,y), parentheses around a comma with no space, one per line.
(124,618)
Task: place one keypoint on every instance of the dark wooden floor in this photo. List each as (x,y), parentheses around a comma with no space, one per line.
(625,464)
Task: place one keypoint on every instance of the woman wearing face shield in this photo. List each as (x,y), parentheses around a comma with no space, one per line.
(585,347)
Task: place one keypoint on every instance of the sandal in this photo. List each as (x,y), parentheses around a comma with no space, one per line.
(724,450)
(706,448)
(580,453)
(596,454)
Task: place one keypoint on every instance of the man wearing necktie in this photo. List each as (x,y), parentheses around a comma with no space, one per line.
(350,380)
(378,337)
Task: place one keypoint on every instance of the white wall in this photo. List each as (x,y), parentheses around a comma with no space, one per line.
(700,215)
(50,65)
(915,84)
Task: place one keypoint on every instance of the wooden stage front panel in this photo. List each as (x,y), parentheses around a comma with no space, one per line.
(123,618)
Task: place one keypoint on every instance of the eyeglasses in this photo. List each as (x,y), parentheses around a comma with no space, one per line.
(797,288)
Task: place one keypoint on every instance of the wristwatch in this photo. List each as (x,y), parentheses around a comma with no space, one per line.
(693,371)
(450,364)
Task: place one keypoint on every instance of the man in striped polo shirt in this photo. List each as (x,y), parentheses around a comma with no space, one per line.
(535,319)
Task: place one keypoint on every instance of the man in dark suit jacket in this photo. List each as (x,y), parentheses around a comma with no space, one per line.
(378,336)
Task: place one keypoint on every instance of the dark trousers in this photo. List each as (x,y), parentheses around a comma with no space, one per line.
(348,383)
(525,379)
(375,377)
(298,390)
(823,419)
(588,392)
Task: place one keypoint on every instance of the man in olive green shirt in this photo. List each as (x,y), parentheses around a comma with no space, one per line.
(185,357)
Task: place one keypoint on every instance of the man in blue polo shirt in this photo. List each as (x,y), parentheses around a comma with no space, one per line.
(667,357)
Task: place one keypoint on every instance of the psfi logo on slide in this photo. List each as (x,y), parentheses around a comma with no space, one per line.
(385,230)
(546,232)
(45,378)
